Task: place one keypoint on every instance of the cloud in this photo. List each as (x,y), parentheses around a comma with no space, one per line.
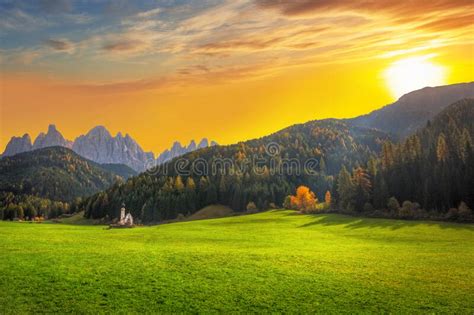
(235,39)
(240,44)
(59,44)
(149,13)
(196,74)
(124,45)
(19,20)
(119,87)
(20,56)
(451,22)
(275,38)
(396,7)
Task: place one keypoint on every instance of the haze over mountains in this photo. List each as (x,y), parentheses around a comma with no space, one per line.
(100,146)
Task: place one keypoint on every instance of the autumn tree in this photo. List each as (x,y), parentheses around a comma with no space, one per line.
(442,148)
(178,184)
(305,200)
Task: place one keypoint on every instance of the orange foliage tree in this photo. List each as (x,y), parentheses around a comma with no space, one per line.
(304,200)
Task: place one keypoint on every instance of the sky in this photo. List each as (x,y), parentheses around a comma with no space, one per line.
(226,70)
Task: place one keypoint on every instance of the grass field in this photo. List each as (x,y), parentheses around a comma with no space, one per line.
(273,261)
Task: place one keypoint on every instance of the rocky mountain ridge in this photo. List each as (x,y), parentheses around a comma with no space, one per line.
(177,149)
(100,146)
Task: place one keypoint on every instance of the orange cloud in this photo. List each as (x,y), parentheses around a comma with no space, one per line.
(124,45)
(394,7)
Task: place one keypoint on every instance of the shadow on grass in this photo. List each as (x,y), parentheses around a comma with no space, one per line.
(351,222)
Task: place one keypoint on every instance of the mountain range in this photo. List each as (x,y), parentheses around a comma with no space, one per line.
(100,146)
(178,149)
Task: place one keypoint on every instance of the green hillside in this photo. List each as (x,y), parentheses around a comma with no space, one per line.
(122,170)
(54,173)
(435,166)
(275,261)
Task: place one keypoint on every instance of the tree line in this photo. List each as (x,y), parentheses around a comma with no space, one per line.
(431,172)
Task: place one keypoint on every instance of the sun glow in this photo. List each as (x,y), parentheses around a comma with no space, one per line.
(414,73)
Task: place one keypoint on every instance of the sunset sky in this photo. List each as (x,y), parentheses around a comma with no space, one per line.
(227,70)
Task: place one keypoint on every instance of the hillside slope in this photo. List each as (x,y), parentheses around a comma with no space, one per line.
(435,166)
(121,170)
(414,109)
(55,173)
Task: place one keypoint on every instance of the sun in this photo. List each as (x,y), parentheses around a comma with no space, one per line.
(413,73)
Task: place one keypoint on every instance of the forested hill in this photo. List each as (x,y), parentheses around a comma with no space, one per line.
(121,170)
(431,173)
(262,171)
(55,173)
(438,172)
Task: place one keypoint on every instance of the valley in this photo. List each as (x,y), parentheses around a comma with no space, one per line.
(236,157)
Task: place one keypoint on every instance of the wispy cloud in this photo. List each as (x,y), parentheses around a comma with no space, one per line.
(124,45)
(19,20)
(59,44)
(393,7)
(235,39)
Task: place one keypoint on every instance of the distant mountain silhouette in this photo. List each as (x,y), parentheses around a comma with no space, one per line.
(100,146)
(52,138)
(178,149)
(18,145)
(413,110)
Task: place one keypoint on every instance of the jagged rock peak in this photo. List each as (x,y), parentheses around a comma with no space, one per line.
(177,145)
(18,145)
(204,143)
(99,130)
(99,146)
(177,149)
(192,145)
(52,138)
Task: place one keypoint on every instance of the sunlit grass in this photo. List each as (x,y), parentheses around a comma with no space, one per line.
(273,261)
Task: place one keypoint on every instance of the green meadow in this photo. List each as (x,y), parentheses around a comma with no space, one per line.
(276,261)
